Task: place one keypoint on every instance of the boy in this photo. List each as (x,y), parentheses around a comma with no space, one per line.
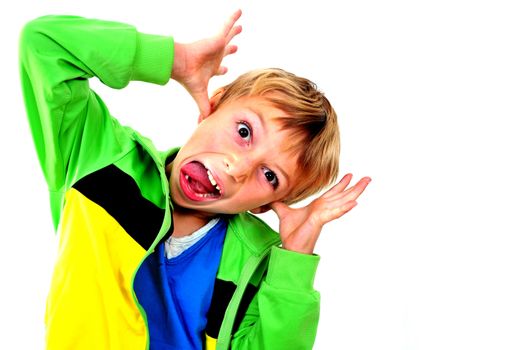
(156,250)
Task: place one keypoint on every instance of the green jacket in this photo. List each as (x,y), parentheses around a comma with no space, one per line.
(111,207)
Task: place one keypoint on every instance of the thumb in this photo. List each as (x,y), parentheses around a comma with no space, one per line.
(279,208)
(203,103)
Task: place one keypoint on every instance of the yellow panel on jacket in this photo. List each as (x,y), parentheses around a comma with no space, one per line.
(99,258)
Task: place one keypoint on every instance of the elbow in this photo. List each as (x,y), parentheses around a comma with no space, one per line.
(29,35)
(35,32)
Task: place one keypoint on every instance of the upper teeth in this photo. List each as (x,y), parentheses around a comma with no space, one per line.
(212,180)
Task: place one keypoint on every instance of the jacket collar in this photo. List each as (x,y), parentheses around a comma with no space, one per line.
(252,231)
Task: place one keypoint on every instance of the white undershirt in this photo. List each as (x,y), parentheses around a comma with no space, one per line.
(174,246)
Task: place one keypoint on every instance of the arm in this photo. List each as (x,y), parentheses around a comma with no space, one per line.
(197,62)
(71,126)
(285,311)
(284,314)
(300,228)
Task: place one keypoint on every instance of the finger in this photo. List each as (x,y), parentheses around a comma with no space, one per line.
(230,22)
(230,49)
(339,187)
(355,191)
(232,33)
(344,209)
(222,70)
(337,212)
(360,186)
(279,208)
(203,103)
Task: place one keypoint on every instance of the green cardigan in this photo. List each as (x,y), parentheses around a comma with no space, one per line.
(111,206)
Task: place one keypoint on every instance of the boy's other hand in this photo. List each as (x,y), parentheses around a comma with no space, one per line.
(197,62)
(300,228)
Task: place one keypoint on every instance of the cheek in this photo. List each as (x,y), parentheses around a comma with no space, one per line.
(213,137)
(201,142)
(258,192)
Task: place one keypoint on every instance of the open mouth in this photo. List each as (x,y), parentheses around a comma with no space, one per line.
(198,183)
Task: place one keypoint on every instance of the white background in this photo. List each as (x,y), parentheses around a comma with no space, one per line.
(431,103)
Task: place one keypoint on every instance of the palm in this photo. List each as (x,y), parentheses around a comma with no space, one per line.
(203,62)
(296,224)
(196,63)
(300,227)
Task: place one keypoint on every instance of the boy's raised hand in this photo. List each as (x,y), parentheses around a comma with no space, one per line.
(197,62)
(300,228)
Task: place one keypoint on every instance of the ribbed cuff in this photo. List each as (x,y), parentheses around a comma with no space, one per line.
(291,270)
(153,59)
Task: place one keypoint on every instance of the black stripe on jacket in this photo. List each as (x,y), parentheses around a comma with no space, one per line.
(116,192)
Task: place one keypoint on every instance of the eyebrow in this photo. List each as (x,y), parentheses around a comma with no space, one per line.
(262,122)
(284,174)
(258,114)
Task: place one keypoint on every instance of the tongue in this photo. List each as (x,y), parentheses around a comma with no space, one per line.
(198,178)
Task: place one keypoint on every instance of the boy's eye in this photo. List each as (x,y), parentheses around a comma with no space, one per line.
(271,177)
(244,131)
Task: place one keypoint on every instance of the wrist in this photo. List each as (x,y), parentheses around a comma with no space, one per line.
(290,270)
(302,243)
(179,62)
(153,58)
(303,248)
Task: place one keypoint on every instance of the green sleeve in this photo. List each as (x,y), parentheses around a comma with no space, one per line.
(71,127)
(285,312)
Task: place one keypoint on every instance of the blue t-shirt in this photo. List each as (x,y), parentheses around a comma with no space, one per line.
(176,293)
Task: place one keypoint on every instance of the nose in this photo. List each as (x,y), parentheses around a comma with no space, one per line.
(238,167)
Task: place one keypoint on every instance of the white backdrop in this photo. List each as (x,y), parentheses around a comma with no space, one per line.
(431,102)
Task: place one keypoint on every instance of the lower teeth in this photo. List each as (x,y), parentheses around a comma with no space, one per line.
(202,195)
(205,195)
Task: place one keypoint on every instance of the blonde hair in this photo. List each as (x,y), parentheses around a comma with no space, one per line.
(310,118)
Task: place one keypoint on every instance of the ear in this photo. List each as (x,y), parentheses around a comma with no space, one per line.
(213,103)
(260,210)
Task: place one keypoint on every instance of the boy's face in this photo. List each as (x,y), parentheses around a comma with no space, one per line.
(235,160)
